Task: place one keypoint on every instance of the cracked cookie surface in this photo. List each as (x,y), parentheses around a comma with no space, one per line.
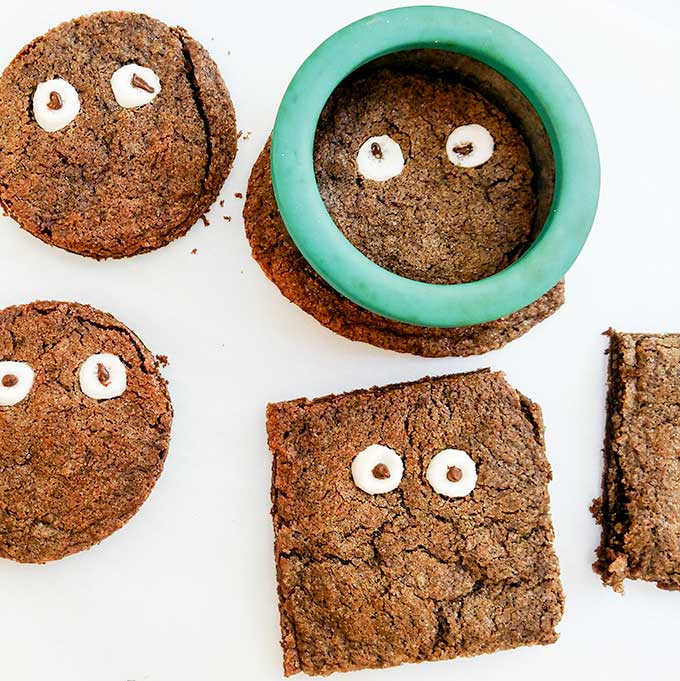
(435,222)
(639,510)
(406,576)
(280,260)
(115,182)
(72,469)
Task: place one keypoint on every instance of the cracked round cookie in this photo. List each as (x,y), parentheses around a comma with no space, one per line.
(117,133)
(85,421)
(412,523)
(280,260)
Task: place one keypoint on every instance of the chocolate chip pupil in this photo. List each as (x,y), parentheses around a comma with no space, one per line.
(463,149)
(55,102)
(454,474)
(9,380)
(103,375)
(376,150)
(381,471)
(141,84)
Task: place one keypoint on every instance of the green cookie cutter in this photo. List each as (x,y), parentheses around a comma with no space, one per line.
(524,64)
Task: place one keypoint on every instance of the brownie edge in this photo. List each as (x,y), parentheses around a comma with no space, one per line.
(410,575)
(639,509)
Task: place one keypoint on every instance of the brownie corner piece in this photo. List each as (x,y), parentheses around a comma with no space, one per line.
(371,580)
(639,510)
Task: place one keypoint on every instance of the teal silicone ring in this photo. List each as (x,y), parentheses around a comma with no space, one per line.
(345,268)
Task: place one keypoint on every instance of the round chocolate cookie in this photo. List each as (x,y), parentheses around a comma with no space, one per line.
(441,211)
(85,422)
(116,135)
(280,260)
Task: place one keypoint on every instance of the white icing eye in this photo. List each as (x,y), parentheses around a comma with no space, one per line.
(134,85)
(16,381)
(55,104)
(469,146)
(103,376)
(452,473)
(377,469)
(380,159)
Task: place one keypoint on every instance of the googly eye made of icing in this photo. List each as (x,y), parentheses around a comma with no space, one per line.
(55,104)
(103,377)
(16,381)
(469,146)
(380,159)
(134,85)
(377,469)
(452,473)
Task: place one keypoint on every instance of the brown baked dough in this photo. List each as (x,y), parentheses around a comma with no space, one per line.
(280,260)
(435,222)
(115,182)
(639,509)
(73,469)
(410,575)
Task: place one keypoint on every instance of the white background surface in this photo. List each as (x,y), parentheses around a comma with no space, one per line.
(186,591)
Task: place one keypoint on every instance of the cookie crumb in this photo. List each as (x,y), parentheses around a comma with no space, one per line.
(194,251)
(221,203)
(227,218)
(205,220)
(238,195)
(162,360)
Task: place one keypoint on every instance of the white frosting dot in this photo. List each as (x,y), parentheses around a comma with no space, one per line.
(380,158)
(469,146)
(130,85)
(103,377)
(16,381)
(446,483)
(55,104)
(377,469)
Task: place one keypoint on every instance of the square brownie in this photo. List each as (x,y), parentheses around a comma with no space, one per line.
(640,505)
(375,580)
